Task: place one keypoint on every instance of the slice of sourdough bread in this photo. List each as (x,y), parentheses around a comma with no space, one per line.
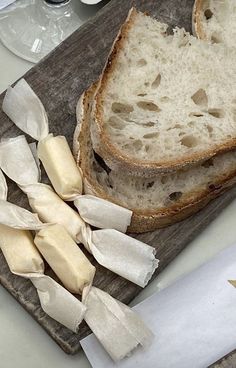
(155,202)
(164,101)
(215,21)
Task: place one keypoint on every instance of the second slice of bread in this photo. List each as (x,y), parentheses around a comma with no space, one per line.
(156,202)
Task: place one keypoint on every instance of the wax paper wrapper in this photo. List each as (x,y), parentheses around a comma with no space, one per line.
(103,214)
(119,329)
(127,257)
(15,216)
(118,252)
(17,161)
(26,110)
(24,260)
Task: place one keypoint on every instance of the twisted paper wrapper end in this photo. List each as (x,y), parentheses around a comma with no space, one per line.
(123,331)
(103,214)
(26,110)
(121,254)
(56,301)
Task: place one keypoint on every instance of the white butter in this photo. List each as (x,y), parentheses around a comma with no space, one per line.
(65,258)
(24,260)
(60,166)
(51,208)
(19,250)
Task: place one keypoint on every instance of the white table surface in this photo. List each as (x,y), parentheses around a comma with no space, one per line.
(23,343)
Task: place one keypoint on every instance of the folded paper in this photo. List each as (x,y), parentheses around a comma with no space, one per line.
(3,186)
(33,149)
(119,329)
(17,161)
(57,302)
(127,257)
(103,214)
(18,217)
(24,260)
(65,258)
(26,110)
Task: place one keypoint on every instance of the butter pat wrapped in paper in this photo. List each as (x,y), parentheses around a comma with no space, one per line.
(51,208)
(19,251)
(24,260)
(65,258)
(60,166)
(26,111)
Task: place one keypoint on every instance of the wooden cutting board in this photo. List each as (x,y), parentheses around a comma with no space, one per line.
(59,80)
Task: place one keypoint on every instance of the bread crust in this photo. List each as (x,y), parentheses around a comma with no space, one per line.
(144,220)
(111,154)
(196,20)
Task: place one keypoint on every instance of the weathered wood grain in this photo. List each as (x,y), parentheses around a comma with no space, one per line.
(59,80)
